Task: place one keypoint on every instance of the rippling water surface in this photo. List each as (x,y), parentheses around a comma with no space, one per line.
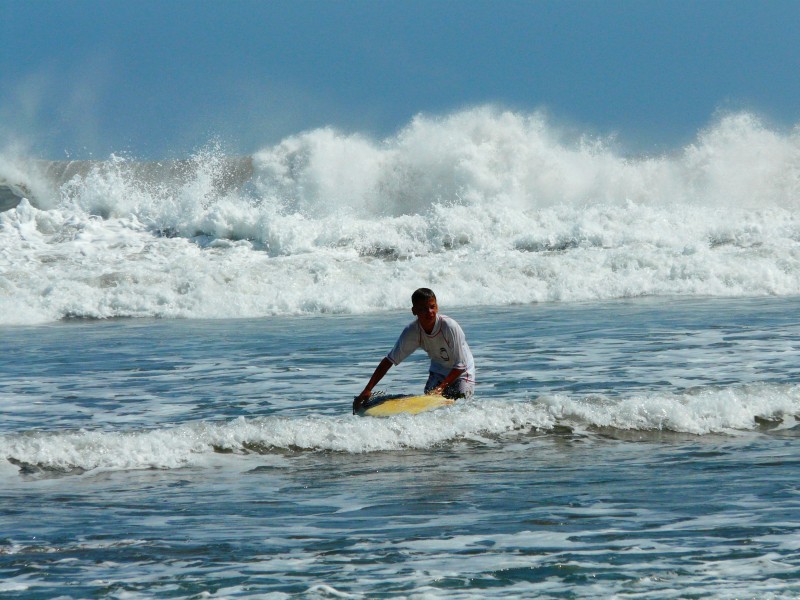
(639,448)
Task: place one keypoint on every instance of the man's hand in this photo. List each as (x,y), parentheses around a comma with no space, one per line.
(380,371)
(451,377)
(359,400)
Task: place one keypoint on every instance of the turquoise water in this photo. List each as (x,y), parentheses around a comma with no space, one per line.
(633,448)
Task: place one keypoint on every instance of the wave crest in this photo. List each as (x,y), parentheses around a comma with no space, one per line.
(728,411)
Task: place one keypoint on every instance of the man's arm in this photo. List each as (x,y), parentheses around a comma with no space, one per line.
(381,370)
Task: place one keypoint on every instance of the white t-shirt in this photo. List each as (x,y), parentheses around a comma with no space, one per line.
(446,345)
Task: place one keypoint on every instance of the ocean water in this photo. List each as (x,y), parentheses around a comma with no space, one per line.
(634,448)
(182,342)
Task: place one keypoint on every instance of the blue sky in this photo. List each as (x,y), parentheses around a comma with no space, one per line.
(161,78)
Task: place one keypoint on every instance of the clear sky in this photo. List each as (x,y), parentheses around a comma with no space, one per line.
(158,78)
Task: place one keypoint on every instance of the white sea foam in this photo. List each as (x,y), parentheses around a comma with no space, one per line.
(486,207)
(710,410)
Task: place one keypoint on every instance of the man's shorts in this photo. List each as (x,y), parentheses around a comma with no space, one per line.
(460,388)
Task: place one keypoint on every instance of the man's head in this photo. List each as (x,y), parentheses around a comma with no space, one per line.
(422,295)
(424,307)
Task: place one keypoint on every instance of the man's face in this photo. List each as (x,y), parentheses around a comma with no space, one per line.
(426,313)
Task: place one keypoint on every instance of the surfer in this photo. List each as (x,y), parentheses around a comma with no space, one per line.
(452,369)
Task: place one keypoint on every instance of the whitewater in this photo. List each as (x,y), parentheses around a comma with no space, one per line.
(490,207)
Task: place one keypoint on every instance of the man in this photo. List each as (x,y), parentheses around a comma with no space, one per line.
(452,369)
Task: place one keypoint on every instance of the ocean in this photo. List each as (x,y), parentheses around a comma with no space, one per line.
(182,341)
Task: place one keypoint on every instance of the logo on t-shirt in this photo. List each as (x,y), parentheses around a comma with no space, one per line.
(443,354)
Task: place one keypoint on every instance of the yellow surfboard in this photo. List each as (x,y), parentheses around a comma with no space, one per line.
(386,406)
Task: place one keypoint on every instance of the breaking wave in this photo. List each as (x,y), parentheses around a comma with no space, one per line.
(484,206)
(726,411)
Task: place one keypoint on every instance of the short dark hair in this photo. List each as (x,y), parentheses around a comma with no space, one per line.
(422,295)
